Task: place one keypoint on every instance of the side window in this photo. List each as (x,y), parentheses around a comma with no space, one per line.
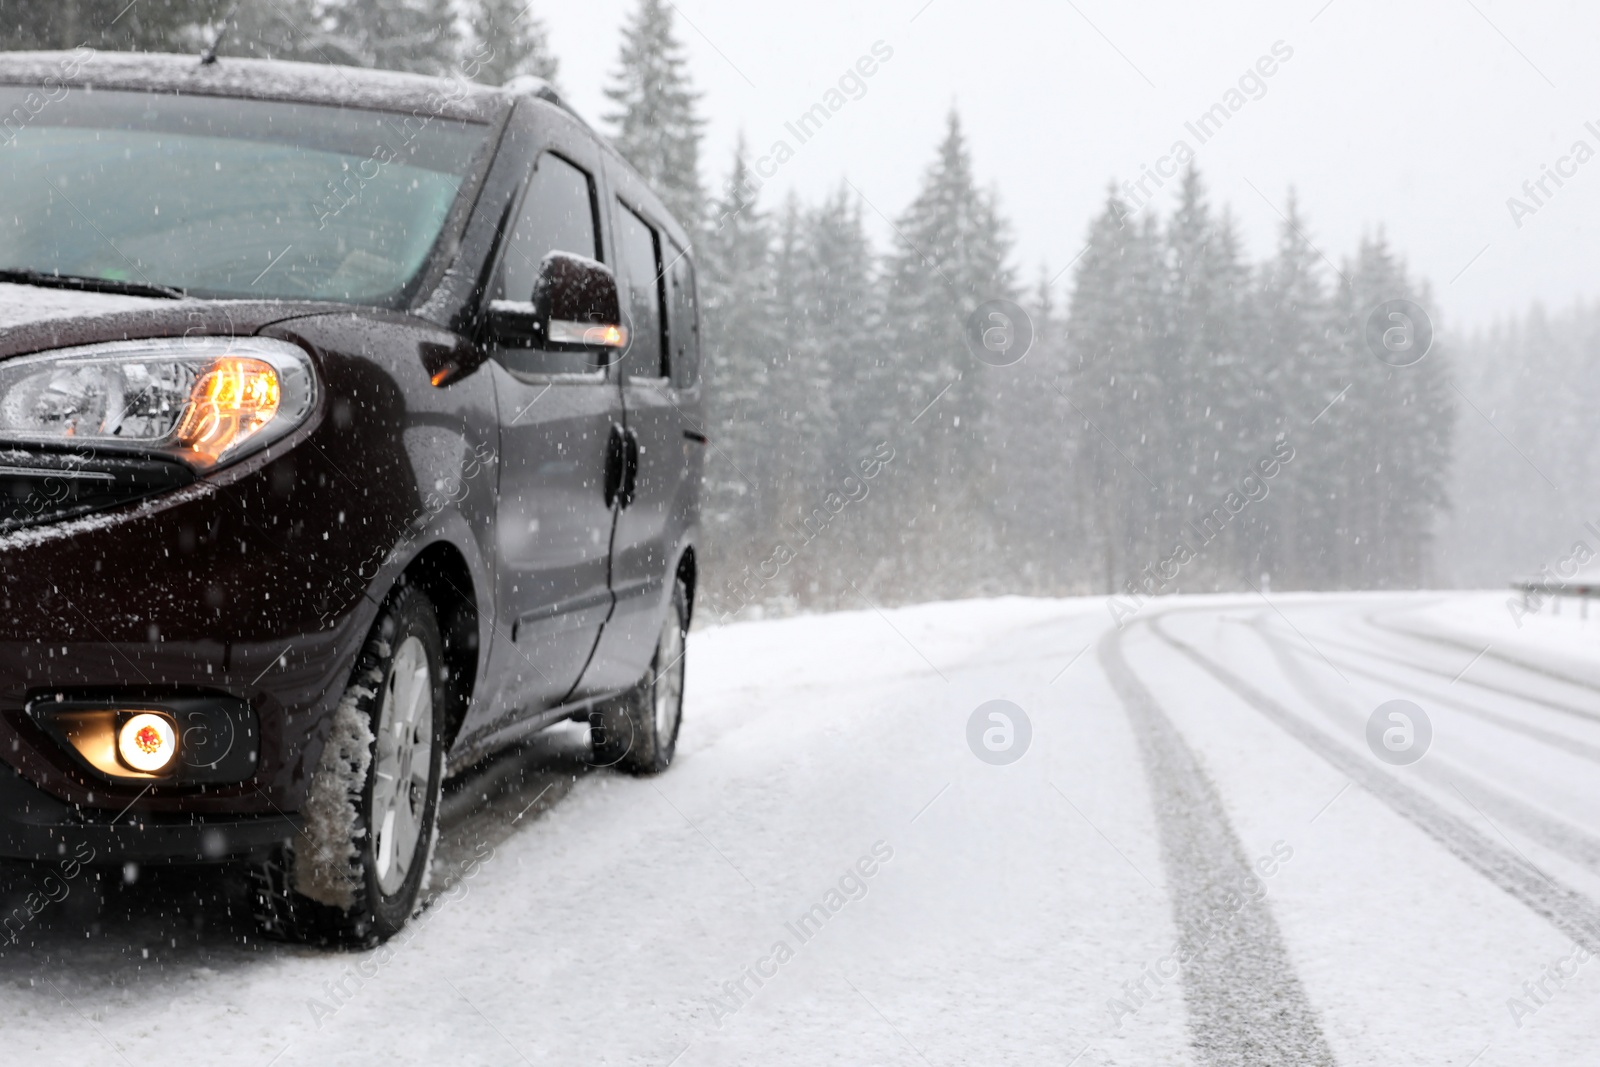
(557,215)
(639,256)
(683,320)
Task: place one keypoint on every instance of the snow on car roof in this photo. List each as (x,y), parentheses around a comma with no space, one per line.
(263,79)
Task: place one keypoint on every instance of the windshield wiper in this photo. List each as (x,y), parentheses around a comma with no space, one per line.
(84,283)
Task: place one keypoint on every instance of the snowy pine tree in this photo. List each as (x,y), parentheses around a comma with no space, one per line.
(839,307)
(791,399)
(150,25)
(656,127)
(740,336)
(839,304)
(1117,393)
(1506,373)
(949,257)
(419,36)
(509,40)
(284,29)
(1205,380)
(1291,366)
(1393,437)
(1034,446)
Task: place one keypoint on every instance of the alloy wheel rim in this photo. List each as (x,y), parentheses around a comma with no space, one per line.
(669,679)
(403,764)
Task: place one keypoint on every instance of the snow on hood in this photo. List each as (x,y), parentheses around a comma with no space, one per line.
(24,304)
(21,304)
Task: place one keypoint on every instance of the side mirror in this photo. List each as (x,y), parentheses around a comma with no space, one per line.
(575,308)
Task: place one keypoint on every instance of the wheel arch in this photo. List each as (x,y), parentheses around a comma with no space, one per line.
(688,572)
(442,573)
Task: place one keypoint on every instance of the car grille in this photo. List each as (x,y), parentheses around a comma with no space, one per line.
(38,486)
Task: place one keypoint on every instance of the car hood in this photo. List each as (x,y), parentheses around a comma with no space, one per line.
(35,318)
(22,304)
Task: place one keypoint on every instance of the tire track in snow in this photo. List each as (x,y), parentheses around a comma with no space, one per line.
(1504,808)
(1570,912)
(1566,743)
(1570,745)
(1499,690)
(1445,641)
(1245,1003)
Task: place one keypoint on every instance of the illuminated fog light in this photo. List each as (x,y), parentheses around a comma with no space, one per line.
(147,742)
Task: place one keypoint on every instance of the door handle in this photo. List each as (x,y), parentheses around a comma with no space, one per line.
(616,465)
(630,467)
(622,466)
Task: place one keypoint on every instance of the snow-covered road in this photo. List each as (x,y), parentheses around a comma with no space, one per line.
(1198,858)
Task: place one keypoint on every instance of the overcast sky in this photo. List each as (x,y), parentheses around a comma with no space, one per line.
(1421,117)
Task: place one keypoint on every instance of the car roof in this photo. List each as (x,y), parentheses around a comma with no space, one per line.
(269,79)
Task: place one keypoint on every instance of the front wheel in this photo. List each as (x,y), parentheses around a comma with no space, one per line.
(638,731)
(354,873)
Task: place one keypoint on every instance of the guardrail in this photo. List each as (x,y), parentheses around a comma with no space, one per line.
(1534,594)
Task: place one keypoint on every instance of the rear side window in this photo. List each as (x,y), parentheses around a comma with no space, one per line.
(557,216)
(639,252)
(683,320)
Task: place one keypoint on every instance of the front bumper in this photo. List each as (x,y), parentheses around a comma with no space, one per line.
(249,587)
(36,826)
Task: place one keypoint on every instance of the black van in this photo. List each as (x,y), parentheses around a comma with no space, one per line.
(349,430)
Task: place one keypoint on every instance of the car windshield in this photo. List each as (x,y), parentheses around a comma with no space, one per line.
(227,198)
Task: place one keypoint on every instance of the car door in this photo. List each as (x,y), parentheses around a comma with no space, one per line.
(556,411)
(660,400)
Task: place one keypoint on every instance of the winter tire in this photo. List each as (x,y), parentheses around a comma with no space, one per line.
(638,731)
(354,874)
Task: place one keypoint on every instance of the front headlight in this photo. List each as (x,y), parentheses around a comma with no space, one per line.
(204,400)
